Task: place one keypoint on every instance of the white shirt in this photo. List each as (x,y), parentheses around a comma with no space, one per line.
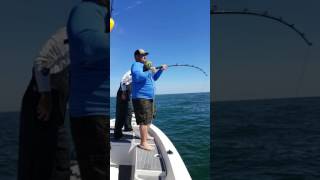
(53,56)
(126,80)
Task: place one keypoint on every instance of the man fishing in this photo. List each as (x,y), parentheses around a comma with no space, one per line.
(89,38)
(143,93)
(123,106)
(43,145)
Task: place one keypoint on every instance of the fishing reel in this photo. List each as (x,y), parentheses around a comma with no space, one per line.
(147,65)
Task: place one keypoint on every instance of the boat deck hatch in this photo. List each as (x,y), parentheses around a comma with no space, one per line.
(149,164)
(149,160)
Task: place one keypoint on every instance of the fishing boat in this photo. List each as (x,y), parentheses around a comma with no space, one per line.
(129,162)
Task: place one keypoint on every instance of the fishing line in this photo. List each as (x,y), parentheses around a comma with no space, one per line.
(113,15)
(136,3)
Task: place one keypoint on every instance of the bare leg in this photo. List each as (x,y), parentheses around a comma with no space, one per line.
(144,135)
(149,137)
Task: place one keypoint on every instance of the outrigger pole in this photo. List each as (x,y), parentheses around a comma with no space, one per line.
(264,14)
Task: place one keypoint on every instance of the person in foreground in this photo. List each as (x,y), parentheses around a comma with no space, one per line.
(88,32)
(143,93)
(43,143)
(123,106)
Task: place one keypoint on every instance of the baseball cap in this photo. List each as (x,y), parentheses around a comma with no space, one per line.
(141,52)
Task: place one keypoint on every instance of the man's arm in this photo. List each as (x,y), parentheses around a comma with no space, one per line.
(46,57)
(137,73)
(157,75)
(44,104)
(159,72)
(87,27)
(125,80)
(123,87)
(43,81)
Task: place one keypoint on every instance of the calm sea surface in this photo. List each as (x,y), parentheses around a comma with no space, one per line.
(275,139)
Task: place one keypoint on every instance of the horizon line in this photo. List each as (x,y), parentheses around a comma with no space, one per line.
(18,110)
(261,99)
(177,93)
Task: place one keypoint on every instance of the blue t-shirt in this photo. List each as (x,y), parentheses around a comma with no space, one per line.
(89,60)
(143,82)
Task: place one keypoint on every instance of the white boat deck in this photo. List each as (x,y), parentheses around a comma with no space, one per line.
(145,164)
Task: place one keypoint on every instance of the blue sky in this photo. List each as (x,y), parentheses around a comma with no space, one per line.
(173,31)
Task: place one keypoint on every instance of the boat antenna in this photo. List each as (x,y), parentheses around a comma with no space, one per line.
(185,65)
(264,14)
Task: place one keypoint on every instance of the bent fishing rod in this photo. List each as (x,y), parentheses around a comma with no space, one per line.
(185,65)
(262,14)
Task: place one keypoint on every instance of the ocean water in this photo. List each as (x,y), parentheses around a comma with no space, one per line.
(184,118)
(275,139)
(9,124)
